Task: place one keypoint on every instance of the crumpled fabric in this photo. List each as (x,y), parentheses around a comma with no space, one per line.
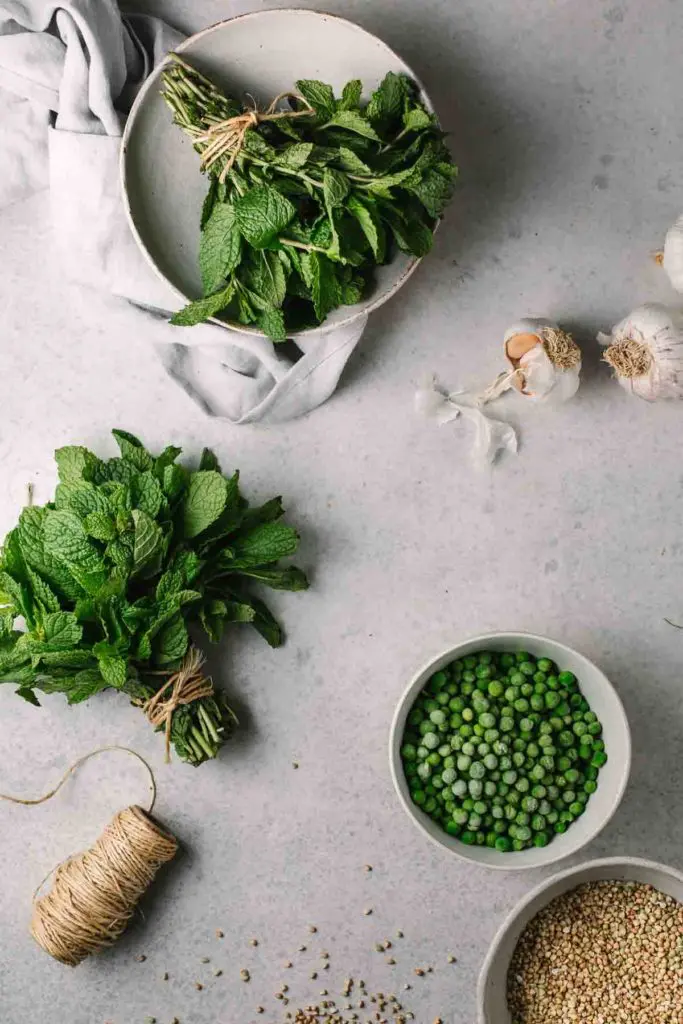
(491,436)
(69,72)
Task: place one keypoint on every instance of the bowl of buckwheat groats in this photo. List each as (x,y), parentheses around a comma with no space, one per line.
(601,943)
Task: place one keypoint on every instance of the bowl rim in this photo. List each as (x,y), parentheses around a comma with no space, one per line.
(149,83)
(538,890)
(397,774)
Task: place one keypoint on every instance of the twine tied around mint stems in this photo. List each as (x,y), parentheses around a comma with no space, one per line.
(212,121)
(190,713)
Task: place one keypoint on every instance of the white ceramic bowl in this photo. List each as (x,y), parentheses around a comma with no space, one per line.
(491,993)
(602,698)
(260,54)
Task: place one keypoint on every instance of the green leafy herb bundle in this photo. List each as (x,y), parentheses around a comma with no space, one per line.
(304,203)
(111,575)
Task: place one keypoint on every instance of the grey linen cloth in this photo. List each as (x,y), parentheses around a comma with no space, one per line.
(69,72)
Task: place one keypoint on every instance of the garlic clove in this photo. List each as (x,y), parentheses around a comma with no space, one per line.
(672,258)
(645,350)
(546,358)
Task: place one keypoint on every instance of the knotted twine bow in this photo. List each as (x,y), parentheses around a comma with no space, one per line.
(224,137)
(186,685)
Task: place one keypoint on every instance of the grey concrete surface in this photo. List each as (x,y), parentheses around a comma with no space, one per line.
(566,120)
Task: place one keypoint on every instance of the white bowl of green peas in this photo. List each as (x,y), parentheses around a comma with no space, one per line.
(510,750)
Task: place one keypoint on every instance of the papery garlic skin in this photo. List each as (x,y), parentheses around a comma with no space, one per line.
(672,259)
(652,334)
(539,378)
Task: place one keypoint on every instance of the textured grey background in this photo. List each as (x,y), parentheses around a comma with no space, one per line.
(567,123)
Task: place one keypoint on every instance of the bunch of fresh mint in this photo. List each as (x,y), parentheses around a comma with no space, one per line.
(132,553)
(294,224)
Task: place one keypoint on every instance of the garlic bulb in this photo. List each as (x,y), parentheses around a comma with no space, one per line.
(546,361)
(672,258)
(646,352)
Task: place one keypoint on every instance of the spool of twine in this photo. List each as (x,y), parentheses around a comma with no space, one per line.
(95,893)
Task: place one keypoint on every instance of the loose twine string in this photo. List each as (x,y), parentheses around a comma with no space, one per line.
(186,685)
(95,893)
(226,138)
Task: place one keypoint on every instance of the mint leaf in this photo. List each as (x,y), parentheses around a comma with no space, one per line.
(319,95)
(209,202)
(388,100)
(199,311)
(267,279)
(173,481)
(42,592)
(132,450)
(264,544)
(81,498)
(66,659)
(66,539)
(220,247)
(146,493)
(204,501)
(113,671)
(296,155)
(411,234)
(335,188)
(61,630)
(371,225)
(171,642)
(266,624)
(148,541)
(209,460)
(353,163)
(320,277)
(32,539)
(272,323)
(351,95)
(353,121)
(262,214)
(27,693)
(75,463)
(417,118)
(278,579)
(434,192)
(100,526)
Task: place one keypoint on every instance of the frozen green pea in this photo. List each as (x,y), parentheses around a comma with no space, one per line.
(477,770)
(430,740)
